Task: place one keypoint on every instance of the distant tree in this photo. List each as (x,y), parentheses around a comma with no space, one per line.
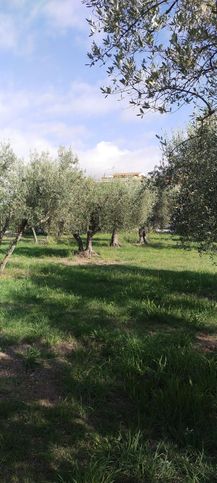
(126,205)
(143,200)
(38,193)
(82,211)
(116,210)
(67,182)
(161,53)
(42,189)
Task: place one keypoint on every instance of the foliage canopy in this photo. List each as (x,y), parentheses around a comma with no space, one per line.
(162,53)
(190,167)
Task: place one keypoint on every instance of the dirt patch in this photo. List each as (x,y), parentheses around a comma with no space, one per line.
(208,343)
(20,381)
(64,349)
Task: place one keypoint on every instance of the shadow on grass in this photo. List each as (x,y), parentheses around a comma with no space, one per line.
(37,422)
(166,245)
(128,294)
(26,248)
(133,366)
(42,251)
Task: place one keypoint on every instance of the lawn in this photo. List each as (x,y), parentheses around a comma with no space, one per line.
(108,366)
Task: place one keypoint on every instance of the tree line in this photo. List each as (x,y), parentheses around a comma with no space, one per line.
(56,196)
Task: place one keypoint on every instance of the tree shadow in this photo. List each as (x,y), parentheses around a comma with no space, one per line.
(134,365)
(78,299)
(136,292)
(37,421)
(42,251)
(166,245)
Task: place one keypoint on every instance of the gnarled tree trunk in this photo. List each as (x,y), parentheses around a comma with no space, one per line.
(114,239)
(79,242)
(143,232)
(13,244)
(88,250)
(4,228)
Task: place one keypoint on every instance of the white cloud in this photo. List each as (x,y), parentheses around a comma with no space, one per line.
(108,157)
(15,3)
(44,120)
(61,130)
(16,28)
(8,32)
(19,21)
(43,136)
(13,103)
(25,141)
(26,120)
(82,100)
(65,14)
(104,158)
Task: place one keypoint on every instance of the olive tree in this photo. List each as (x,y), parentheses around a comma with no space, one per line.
(15,206)
(117,208)
(65,190)
(79,207)
(190,165)
(161,53)
(87,213)
(38,191)
(143,201)
(8,186)
(42,189)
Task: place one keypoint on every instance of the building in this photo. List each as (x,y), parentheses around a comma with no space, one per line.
(124,176)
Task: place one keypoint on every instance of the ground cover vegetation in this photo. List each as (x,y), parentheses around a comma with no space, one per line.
(108,364)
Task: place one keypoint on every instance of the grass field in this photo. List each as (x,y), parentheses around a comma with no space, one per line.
(108,366)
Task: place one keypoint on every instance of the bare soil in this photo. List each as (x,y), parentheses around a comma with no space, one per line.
(41,384)
(207,342)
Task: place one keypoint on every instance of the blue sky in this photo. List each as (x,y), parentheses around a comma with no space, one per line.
(49,97)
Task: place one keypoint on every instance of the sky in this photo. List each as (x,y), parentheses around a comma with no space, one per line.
(50,97)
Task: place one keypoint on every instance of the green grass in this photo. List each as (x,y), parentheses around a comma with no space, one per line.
(108,366)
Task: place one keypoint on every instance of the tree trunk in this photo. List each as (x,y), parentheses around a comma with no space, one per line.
(60,228)
(89,243)
(79,242)
(88,251)
(13,244)
(34,234)
(143,236)
(114,239)
(4,228)
(48,229)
